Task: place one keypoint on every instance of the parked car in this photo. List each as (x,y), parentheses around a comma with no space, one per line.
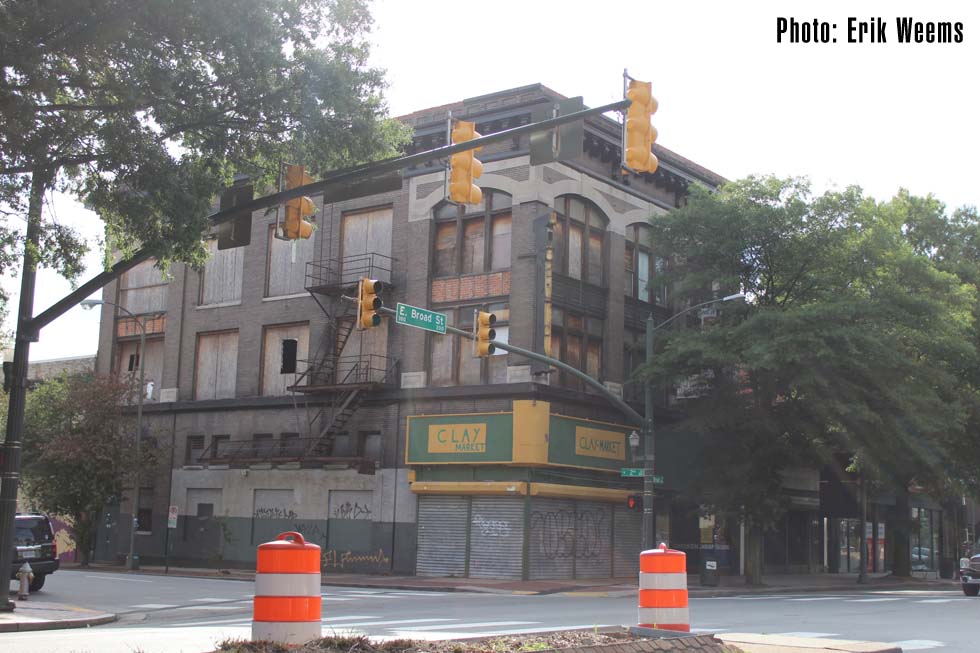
(34,544)
(970,575)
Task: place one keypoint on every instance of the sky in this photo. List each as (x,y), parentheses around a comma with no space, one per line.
(882,115)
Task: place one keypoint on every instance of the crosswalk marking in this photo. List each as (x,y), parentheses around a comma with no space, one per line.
(479,624)
(917,644)
(384,623)
(939,600)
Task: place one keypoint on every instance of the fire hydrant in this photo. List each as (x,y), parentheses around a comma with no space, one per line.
(25,574)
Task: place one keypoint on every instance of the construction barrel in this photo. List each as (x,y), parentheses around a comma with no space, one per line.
(287,591)
(663,590)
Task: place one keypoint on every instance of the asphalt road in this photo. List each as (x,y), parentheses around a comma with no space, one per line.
(170,614)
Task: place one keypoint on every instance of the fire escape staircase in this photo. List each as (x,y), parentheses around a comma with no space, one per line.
(333,385)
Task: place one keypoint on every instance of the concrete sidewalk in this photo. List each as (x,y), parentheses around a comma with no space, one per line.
(42,615)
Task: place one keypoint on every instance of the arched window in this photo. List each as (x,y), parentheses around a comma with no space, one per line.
(641,265)
(579,235)
(473,239)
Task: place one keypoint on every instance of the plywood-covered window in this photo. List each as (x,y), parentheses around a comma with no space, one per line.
(143,289)
(216,365)
(286,264)
(451,360)
(277,342)
(221,279)
(129,359)
(642,267)
(473,240)
(576,340)
(578,239)
(366,245)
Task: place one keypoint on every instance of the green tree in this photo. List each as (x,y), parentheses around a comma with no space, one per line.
(146,108)
(850,341)
(79,452)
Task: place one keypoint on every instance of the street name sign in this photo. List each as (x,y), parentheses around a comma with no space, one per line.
(638,471)
(420,318)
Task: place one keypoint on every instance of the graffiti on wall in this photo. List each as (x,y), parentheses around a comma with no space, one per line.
(491,527)
(352,510)
(335,559)
(565,533)
(273,513)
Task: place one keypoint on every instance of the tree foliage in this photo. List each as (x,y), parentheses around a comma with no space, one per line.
(79,450)
(852,339)
(145,109)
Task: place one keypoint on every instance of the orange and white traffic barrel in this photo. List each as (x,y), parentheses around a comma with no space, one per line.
(287,591)
(663,590)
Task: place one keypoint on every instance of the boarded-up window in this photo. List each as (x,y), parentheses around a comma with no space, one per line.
(143,289)
(286,271)
(442,354)
(445,263)
(365,234)
(575,252)
(128,361)
(595,258)
(469,365)
(473,246)
(274,381)
(592,363)
(222,275)
(500,254)
(195,447)
(498,362)
(216,365)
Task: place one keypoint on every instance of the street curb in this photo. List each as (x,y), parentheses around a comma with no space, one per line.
(58,624)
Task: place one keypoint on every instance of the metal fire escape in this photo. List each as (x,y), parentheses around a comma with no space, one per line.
(334,384)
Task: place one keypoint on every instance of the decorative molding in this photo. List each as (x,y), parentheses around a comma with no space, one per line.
(550,175)
(619,204)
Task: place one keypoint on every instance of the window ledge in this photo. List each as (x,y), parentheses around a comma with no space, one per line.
(297,295)
(201,307)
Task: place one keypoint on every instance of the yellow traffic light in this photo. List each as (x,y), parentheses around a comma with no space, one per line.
(298,208)
(464,167)
(484,332)
(368,303)
(640,134)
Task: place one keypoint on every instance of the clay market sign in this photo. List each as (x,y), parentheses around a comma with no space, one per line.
(470,438)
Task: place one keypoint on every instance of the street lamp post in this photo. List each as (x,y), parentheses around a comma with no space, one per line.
(132,561)
(648,432)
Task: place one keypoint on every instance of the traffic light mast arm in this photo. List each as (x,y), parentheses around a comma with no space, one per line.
(631,414)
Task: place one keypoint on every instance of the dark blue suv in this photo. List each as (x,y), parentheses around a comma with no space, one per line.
(34,543)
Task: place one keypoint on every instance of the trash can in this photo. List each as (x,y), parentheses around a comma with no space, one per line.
(709,571)
(947,567)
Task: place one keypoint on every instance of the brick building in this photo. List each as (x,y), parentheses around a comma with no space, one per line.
(393,448)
